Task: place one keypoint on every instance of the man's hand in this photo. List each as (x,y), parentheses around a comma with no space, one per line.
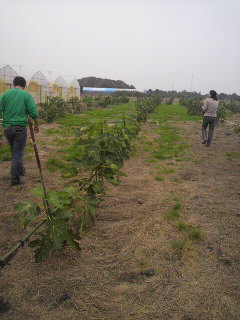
(36,126)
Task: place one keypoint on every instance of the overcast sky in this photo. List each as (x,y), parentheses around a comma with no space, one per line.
(157,44)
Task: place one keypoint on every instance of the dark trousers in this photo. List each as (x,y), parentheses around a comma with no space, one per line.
(17,137)
(208,121)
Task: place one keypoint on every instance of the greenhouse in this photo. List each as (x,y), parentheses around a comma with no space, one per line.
(7,74)
(38,87)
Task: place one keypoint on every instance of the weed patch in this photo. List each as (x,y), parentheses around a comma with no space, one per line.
(159,178)
(195,234)
(5,153)
(178,244)
(233,155)
(182,226)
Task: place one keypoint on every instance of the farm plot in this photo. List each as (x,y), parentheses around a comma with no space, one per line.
(165,241)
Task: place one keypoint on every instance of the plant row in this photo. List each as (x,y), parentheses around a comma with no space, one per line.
(105,147)
(56,107)
(194,107)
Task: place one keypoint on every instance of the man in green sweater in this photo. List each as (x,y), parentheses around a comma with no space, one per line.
(16,105)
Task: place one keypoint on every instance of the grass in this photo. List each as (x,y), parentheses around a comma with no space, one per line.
(174,112)
(172,215)
(165,170)
(182,226)
(179,244)
(54,164)
(195,234)
(177,206)
(159,178)
(58,141)
(170,145)
(71,120)
(174,212)
(60,131)
(67,128)
(147,149)
(232,155)
(64,135)
(74,152)
(5,153)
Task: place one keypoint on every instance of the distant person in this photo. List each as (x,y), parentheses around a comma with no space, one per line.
(17,105)
(209,117)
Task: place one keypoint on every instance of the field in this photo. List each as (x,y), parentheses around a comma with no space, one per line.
(165,243)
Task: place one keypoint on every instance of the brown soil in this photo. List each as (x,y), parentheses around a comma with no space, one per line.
(128,268)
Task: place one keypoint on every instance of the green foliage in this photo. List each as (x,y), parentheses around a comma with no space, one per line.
(27,212)
(179,244)
(195,234)
(54,108)
(174,212)
(159,178)
(177,206)
(237,129)
(5,152)
(224,107)
(233,155)
(88,102)
(182,226)
(169,101)
(104,101)
(75,104)
(169,146)
(101,148)
(194,105)
(103,83)
(221,112)
(143,107)
(233,106)
(1,133)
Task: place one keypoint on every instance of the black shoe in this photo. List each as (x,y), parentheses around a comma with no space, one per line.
(16,183)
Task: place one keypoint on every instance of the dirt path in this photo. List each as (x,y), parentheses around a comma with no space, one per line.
(129,267)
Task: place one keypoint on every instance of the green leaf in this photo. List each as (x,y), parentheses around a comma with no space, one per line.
(43,247)
(91,204)
(27,212)
(72,192)
(38,192)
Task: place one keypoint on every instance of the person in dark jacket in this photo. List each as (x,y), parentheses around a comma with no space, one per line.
(16,105)
(209,117)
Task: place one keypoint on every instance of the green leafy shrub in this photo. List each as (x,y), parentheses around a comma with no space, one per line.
(193,105)
(237,129)
(54,108)
(233,106)
(103,148)
(221,111)
(75,104)
(169,101)
(5,152)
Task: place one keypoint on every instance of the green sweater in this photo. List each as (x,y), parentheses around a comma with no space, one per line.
(17,105)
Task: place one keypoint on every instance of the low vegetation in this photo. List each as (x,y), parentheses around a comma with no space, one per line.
(99,151)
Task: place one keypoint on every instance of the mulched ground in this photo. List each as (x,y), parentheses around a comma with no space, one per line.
(128,268)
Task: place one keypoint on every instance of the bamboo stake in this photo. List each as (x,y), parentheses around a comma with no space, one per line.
(46,203)
(11,253)
(21,243)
